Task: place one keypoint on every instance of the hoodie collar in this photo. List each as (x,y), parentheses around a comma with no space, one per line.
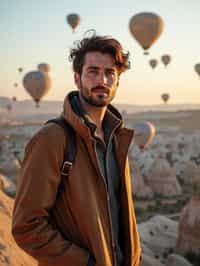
(74,113)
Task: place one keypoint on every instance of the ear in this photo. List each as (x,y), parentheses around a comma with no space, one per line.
(77,79)
(118,81)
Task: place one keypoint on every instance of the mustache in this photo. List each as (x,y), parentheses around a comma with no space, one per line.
(100,88)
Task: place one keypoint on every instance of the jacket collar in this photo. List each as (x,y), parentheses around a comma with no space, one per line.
(75,115)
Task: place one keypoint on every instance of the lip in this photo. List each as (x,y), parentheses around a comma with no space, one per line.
(100,91)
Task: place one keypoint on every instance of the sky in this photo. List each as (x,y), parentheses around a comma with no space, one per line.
(32,32)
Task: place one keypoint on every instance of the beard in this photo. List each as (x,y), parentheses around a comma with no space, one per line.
(99,100)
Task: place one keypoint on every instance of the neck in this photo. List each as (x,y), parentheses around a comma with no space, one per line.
(96,114)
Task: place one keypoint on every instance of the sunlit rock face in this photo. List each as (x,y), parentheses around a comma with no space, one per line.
(150,261)
(9,165)
(140,190)
(177,260)
(162,179)
(159,235)
(10,253)
(7,186)
(189,172)
(189,228)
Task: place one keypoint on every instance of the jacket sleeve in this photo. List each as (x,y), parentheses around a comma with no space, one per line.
(36,194)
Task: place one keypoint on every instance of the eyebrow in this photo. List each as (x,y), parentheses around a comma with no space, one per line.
(93,67)
(96,68)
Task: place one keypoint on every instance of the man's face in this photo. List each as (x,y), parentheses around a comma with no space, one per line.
(99,79)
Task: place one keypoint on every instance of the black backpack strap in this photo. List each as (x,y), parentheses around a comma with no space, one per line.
(70,150)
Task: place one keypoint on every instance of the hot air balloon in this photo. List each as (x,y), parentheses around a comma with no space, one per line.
(197,68)
(73,20)
(165,97)
(37,84)
(14,98)
(44,67)
(153,63)
(144,133)
(20,69)
(146,28)
(166,59)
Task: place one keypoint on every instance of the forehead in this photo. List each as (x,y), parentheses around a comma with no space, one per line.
(98,59)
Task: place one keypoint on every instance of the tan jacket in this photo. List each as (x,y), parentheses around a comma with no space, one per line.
(63,226)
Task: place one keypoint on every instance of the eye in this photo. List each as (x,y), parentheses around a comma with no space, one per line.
(92,72)
(110,72)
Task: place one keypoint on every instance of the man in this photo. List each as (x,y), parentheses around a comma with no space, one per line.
(91,220)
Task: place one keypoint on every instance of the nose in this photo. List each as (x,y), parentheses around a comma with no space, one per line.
(102,79)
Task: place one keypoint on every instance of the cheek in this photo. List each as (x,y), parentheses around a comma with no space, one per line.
(85,82)
(113,92)
(114,81)
(115,84)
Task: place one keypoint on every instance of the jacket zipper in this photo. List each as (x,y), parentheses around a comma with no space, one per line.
(108,201)
(109,213)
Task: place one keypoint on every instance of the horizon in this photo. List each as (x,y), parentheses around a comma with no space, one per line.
(114,103)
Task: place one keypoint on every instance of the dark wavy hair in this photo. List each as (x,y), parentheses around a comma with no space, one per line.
(103,44)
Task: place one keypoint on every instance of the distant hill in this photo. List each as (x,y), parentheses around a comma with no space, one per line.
(4,100)
(26,111)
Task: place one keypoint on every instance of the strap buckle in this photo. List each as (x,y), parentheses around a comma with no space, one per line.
(67,165)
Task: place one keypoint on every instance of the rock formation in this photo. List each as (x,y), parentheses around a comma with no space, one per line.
(162,179)
(189,228)
(10,253)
